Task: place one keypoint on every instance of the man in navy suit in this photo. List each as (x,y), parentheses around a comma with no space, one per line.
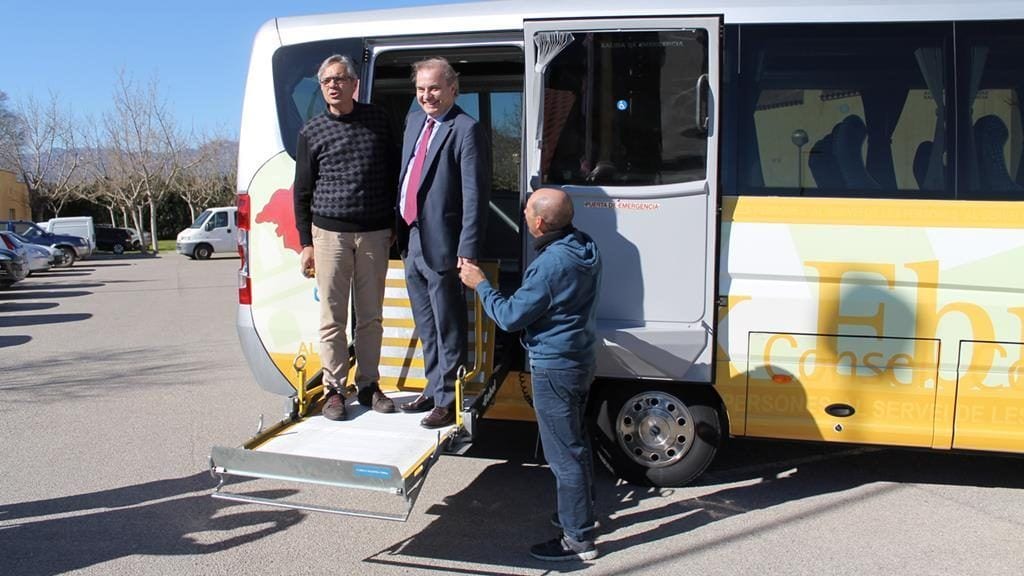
(442,205)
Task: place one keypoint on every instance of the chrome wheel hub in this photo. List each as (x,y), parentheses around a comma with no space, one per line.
(655,429)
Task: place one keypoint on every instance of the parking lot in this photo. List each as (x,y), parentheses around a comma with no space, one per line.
(117,376)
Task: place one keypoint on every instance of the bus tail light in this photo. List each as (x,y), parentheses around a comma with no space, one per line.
(244,282)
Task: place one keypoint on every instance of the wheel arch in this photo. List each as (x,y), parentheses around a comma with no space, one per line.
(607,394)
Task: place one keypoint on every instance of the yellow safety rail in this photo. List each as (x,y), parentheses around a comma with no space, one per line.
(478,354)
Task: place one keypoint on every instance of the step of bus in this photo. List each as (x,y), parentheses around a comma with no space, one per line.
(401,358)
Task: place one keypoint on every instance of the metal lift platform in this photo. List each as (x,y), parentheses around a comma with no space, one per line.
(389,453)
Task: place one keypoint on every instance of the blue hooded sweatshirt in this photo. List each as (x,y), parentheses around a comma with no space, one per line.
(556,304)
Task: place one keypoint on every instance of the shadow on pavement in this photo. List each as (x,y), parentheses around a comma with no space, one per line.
(26,306)
(41,319)
(41,295)
(495,519)
(166,517)
(102,373)
(8,341)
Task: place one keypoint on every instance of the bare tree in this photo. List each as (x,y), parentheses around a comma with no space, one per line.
(40,143)
(10,134)
(209,178)
(147,148)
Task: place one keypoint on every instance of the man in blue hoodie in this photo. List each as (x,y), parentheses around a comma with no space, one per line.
(556,307)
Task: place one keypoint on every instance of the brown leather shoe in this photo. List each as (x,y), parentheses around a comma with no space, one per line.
(372,397)
(334,406)
(419,404)
(382,404)
(438,418)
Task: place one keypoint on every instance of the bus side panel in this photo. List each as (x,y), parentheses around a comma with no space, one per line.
(990,396)
(285,305)
(903,283)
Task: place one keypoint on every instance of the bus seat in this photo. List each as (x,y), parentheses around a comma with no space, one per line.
(847,142)
(990,135)
(921,158)
(823,165)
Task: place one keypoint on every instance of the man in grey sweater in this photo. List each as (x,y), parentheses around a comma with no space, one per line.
(345,181)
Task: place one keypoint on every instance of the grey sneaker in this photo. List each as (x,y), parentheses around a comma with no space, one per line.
(592,526)
(334,406)
(564,548)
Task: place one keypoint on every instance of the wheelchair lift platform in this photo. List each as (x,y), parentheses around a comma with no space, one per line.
(369,451)
(389,453)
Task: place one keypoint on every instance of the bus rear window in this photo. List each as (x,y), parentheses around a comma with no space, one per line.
(295,83)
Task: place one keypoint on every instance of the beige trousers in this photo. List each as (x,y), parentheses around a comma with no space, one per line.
(350,263)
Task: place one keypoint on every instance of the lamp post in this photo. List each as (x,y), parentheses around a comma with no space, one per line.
(799,138)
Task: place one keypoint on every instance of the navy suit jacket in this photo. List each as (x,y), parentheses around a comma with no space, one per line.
(452,197)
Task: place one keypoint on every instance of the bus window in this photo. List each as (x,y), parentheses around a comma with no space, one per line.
(992,91)
(619,109)
(296,87)
(490,90)
(844,110)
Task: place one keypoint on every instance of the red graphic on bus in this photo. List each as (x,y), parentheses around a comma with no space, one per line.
(281,212)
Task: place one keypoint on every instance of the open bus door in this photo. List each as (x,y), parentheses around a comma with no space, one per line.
(623,115)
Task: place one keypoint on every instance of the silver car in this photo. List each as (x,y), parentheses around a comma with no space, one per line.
(13,267)
(40,258)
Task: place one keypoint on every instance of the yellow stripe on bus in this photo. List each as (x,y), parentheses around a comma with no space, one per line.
(399,323)
(409,343)
(873,212)
(401,361)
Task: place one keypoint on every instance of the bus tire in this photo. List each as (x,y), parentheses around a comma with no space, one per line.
(656,436)
(202,252)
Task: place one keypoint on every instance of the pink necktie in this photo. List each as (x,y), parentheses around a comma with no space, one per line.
(412,186)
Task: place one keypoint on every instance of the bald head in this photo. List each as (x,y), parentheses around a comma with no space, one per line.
(552,206)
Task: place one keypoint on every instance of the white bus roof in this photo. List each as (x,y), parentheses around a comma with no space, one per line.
(509,15)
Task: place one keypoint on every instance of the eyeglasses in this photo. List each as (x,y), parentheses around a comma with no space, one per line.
(336,80)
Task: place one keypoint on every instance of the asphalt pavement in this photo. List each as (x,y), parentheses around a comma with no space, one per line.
(118,375)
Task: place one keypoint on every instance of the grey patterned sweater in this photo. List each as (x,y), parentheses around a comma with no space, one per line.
(346,173)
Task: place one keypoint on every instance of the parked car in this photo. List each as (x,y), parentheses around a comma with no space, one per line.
(81,226)
(138,242)
(37,257)
(215,230)
(13,267)
(74,247)
(57,256)
(115,240)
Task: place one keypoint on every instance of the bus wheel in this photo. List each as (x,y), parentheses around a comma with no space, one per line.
(654,437)
(202,252)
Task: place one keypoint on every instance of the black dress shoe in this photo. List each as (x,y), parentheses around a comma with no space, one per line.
(438,418)
(419,404)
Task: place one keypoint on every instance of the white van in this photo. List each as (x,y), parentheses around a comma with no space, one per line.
(81,226)
(213,231)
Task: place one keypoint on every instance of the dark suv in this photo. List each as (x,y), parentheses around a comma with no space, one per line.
(115,240)
(72,246)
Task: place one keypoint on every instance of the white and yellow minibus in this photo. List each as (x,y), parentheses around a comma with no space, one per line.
(811,216)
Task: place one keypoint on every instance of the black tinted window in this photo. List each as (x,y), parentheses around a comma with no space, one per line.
(295,84)
(991,56)
(845,110)
(220,219)
(620,109)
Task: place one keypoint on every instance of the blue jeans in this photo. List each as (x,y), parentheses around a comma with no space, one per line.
(560,397)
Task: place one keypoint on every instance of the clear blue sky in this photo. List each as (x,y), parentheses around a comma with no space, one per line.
(198,50)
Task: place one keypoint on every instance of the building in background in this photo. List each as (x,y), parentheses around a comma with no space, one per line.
(13,198)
